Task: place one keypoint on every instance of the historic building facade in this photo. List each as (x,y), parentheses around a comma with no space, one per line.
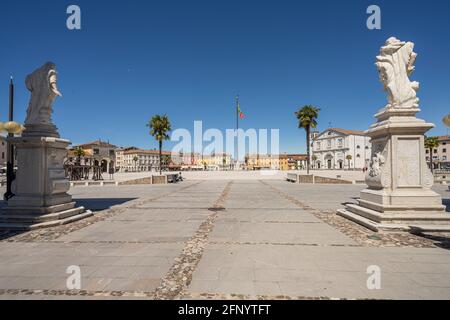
(216,161)
(137,160)
(267,162)
(96,153)
(441,154)
(341,149)
(297,161)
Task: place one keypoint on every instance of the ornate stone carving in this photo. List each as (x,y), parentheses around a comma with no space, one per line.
(42,85)
(395,64)
(375,165)
(378,175)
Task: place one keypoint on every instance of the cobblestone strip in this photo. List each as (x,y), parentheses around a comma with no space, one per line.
(180,274)
(233,243)
(150,295)
(220,296)
(79,293)
(363,236)
(53,233)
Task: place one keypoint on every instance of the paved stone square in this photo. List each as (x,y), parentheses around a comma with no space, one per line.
(222,238)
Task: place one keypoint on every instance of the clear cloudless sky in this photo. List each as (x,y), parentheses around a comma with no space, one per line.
(133,59)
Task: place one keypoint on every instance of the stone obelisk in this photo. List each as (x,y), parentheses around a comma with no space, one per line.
(399,195)
(40,188)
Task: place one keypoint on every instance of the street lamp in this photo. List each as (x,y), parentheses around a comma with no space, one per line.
(11,128)
(446,120)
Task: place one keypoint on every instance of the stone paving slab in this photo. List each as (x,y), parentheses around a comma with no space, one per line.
(286,233)
(324,197)
(109,267)
(135,231)
(146,215)
(339,272)
(268,215)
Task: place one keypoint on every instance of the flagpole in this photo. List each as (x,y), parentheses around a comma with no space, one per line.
(237,113)
(237,130)
(10,148)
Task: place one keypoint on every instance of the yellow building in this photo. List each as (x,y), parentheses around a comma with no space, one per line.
(216,161)
(266,162)
(269,162)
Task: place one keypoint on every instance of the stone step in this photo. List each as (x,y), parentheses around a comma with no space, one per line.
(403,209)
(404,217)
(364,212)
(30,226)
(371,225)
(36,211)
(11,218)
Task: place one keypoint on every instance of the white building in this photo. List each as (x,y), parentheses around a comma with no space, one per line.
(341,149)
(136,160)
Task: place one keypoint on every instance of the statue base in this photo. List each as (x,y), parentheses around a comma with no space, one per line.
(40,188)
(41,130)
(399,195)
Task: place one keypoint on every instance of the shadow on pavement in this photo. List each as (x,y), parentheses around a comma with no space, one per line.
(95,204)
(98,204)
(439,240)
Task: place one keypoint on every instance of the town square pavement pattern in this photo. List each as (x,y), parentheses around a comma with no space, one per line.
(234,238)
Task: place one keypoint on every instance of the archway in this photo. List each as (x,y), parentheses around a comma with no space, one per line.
(329,161)
(104,165)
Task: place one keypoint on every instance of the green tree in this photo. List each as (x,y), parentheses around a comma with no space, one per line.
(79,153)
(431,143)
(135,159)
(307,119)
(159,128)
(349,158)
(314,159)
(165,160)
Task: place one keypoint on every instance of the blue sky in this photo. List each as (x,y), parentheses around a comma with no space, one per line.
(133,59)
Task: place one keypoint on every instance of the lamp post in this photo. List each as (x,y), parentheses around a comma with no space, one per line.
(446,120)
(11,128)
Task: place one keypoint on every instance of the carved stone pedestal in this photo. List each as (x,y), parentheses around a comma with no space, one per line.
(399,196)
(40,188)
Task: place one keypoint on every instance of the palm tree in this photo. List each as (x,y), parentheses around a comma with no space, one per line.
(349,158)
(314,159)
(135,159)
(79,152)
(165,160)
(431,143)
(307,119)
(159,128)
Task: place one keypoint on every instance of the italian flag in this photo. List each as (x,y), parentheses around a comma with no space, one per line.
(240,113)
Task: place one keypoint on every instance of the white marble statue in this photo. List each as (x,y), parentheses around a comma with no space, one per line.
(395,64)
(42,85)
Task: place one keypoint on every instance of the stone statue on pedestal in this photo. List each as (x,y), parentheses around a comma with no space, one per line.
(395,65)
(42,85)
(41,186)
(399,195)
(43,88)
